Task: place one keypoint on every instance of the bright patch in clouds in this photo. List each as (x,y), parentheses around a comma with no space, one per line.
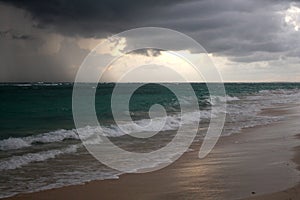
(166,67)
(292,17)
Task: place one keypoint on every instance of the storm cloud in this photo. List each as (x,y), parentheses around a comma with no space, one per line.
(247,31)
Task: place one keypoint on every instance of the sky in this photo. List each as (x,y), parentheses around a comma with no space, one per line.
(248,41)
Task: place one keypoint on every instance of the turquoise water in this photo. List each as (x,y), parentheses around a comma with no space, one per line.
(37,132)
(33,108)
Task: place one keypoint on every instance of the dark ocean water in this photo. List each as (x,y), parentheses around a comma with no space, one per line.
(33,108)
(37,132)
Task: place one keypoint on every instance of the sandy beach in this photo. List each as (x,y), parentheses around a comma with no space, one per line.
(258,163)
(290,194)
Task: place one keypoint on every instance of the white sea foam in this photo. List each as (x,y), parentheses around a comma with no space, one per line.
(15,162)
(37,84)
(13,143)
(55,136)
(171,123)
(246,112)
(221,99)
(23,85)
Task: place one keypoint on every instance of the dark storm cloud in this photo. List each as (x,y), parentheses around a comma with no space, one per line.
(245,31)
(21,62)
(230,27)
(14,35)
(148,52)
(90,17)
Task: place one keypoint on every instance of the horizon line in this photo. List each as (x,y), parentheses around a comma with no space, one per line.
(40,82)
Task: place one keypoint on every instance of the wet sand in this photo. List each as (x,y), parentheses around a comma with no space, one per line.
(292,193)
(254,164)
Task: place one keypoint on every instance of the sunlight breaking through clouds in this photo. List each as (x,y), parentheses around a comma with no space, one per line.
(292,17)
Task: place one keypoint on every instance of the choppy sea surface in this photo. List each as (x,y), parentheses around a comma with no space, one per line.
(40,148)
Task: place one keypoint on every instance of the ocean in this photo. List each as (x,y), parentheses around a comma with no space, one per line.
(40,148)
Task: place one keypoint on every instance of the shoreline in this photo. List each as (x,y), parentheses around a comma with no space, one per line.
(292,193)
(191,178)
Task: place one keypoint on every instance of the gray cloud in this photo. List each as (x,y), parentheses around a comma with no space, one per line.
(91,17)
(20,63)
(148,52)
(225,27)
(14,35)
(243,31)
